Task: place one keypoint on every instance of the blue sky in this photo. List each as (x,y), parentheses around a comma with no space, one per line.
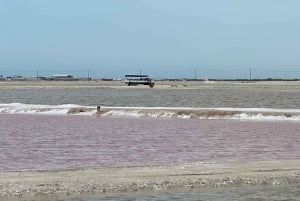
(162,38)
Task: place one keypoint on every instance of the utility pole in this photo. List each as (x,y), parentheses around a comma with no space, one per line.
(88,77)
(37,75)
(250,74)
(140,71)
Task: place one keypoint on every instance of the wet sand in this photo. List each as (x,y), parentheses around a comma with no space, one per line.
(61,182)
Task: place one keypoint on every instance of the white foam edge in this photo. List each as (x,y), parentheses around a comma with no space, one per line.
(163,112)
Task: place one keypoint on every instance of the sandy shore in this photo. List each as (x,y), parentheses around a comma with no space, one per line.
(158,84)
(153,178)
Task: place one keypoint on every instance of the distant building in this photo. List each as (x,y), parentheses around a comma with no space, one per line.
(66,77)
(16,78)
(2,78)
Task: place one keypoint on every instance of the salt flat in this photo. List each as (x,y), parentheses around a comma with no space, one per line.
(145,178)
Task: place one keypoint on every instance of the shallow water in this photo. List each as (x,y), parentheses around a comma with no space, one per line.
(215,95)
(49,141)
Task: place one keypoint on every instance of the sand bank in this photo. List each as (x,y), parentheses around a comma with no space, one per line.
(158,84)
(153,178)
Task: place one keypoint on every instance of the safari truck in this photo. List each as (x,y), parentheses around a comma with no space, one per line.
(132,80)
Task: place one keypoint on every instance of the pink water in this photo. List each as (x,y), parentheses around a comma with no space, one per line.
(43,142)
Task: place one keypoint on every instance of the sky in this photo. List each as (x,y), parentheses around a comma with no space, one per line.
(162,38)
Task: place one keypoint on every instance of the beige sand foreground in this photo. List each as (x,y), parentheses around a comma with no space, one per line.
(153,178)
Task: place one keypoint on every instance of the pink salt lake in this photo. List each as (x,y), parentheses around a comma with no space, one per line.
(48,141)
